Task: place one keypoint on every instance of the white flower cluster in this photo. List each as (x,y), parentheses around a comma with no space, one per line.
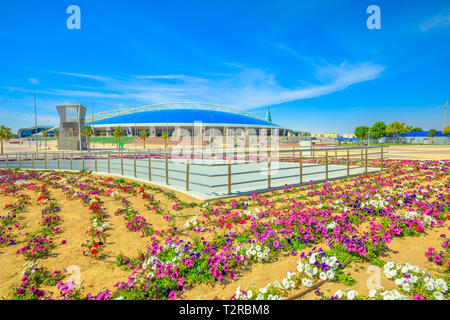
(251,214)
(332,225)
(349,294)
(29,265)
(99,226)
(261,294)
(256,252)
(192,222)
(377,202)
(204,204)
(388,295)
(21,182)
(175,261)
(411,215)
(406,280)
(311,271)
(339,206)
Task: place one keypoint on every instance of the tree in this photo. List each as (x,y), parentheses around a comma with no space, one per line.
(117,134)
(396,129)
(361,132)
(143,136)
(417,129)
(165,136)
(56,133)
(432,133)
(87,132)
(446,130)
(378,130)
(45,133)
(5,134)
(408,129)
(103,134)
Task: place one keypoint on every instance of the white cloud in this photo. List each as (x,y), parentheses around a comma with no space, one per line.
(441,20)
(34,81)
(246,88)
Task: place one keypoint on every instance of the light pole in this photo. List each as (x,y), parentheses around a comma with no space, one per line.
(35,124)
(93,127)
(445,109)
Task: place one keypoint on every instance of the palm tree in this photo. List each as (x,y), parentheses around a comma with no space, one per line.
(45,133)
(87,132)
(5,134)
(143,136)
(57,135)
(165,136)
(117,134)
(103,134)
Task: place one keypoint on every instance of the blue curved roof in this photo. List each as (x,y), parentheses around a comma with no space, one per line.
(184,116)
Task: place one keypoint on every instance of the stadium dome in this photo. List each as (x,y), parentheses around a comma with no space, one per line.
(185,115)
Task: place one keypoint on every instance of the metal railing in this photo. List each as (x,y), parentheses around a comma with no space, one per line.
(229,172)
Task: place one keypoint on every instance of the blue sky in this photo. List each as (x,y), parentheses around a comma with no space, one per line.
(315,63)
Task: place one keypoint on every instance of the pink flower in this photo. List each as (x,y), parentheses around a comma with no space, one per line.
(172,295)
(418,297)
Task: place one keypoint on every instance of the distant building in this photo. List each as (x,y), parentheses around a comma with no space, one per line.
(29,132)
(418,137)
(331,135)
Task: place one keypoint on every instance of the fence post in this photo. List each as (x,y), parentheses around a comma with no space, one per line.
(269,164)
(32,161)
(326,164)
(82,162)
(135,165)
(301,166)
(71,161)
(59,162)
(167,169)
(7,162)
(95,159)
(149,167)
(45,160)
(362,157)
(229,175)
(381,167)
(20,161)
(187,174)
(109,162)
(348,162)
(367,158)
(121,162)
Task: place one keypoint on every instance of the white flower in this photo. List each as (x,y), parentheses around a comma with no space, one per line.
(338,294)
(406,287)
(352,294)
(330,274)
(438,295)
(307,282)
(372,293)
(323,276)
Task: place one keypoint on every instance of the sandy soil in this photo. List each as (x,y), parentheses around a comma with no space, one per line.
(102,274)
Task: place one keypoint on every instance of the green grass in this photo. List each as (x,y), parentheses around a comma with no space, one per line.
(110,139)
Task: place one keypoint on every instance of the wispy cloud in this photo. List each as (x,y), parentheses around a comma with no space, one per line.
(81,75)
(442,20)
(34,81)
(245,88)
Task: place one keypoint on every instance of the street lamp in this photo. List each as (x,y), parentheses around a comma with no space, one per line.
(445,108)
(35,124)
